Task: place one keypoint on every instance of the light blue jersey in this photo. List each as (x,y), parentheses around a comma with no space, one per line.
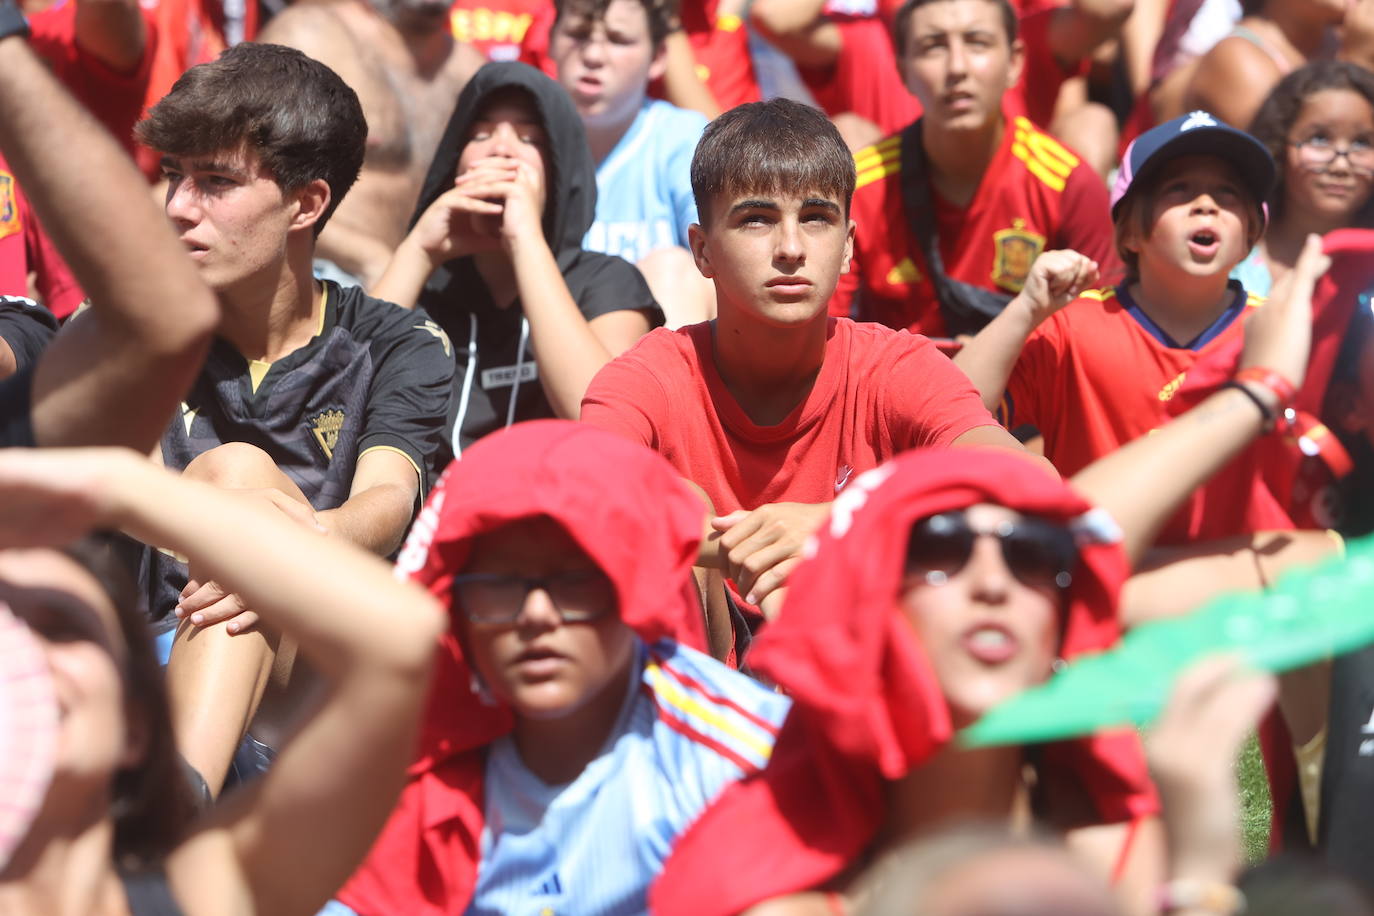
(688,727)
(644,187)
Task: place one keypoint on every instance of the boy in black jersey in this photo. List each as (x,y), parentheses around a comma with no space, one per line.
(316,399)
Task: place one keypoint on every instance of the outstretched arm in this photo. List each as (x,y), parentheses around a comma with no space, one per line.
(1056,279)
(798,29)
(372,637)
(115,376)
(1198,444)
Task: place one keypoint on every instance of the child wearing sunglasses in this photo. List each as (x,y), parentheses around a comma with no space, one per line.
(966,577)
(572,733)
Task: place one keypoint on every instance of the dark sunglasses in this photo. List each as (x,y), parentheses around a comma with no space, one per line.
(1039,553)
(579,595)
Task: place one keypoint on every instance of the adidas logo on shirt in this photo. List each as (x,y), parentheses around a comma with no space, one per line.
(550,888)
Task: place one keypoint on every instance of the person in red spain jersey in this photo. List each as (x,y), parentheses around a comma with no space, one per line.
(1092,372)
(773,407)
(951,212)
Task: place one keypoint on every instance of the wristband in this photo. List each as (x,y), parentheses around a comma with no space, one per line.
(12,21)
(1209,896)
(1285,391)
(1267,417)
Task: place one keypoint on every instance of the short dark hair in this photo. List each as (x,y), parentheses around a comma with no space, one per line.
(662,14)
(778,146)
(902,21)
(296,114)
(1279,112)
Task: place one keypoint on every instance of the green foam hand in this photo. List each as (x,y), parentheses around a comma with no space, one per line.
(1309,615)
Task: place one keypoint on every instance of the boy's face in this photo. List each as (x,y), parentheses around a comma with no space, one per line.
(1201,220)
(540,664)
(774,257)
(959,63)
(231,215)
(606,64)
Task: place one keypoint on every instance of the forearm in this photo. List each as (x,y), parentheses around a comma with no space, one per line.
(1139,36)
(680,81)
(112,31)
(569,354)
(1080,28)
(363,255)
(266,558)
(988,359)
(375,519)
(1193,447)
(95,206)
(404,276)
(777,19)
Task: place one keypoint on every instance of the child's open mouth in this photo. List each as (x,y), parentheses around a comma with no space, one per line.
(1204,243)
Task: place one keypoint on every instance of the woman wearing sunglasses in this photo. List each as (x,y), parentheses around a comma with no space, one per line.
(574,730)
(944,584)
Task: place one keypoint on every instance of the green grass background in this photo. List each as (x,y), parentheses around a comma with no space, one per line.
(1255,805)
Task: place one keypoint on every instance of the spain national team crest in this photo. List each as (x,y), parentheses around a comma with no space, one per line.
(9,207)
(1014,251)
(326,426)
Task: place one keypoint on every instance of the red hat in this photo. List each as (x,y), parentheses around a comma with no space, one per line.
(867,706)
(28,731)
(631,513)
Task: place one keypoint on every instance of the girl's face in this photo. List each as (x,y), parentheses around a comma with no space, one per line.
(987,615)
(78,628)
(508,127)
(522,641)
(1329,172)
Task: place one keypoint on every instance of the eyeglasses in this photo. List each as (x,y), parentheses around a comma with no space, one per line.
(578,595)
(1317,154)
(1040,554)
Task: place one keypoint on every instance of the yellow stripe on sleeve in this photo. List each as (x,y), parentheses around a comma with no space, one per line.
(677,698)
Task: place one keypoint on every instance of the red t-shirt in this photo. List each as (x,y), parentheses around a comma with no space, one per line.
(1036,195)
(879,392)
(1092,378)
(25,248)
(498,27)
(116,99)
(864,78)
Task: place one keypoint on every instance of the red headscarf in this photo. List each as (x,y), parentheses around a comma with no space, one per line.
(867,705)
(628,510)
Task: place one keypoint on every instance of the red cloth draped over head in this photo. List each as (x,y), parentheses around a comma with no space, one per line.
(867,705)
(628,510)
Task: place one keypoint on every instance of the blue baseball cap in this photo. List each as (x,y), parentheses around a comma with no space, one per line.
(1196,133)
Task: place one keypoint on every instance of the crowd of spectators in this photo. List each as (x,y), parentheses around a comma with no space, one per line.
(596,456)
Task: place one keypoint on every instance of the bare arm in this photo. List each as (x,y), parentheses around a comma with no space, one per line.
(112,31)
(1198,444)
(1077,29)
(683,87)
(1056,278)
(1139,36)
(1232,80)
(116,376)
(798,29)
(372,637)
(380,502)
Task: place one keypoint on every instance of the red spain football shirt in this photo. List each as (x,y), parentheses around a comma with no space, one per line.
(1036,195)
(1092,378)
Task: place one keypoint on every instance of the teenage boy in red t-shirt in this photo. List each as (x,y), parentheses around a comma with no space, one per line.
(952,211)
(773,407)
